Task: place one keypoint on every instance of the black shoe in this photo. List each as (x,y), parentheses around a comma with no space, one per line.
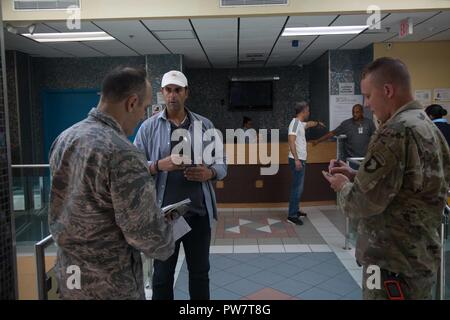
(301,214)
(295,220)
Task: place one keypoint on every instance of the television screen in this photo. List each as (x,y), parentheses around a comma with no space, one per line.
(250,95)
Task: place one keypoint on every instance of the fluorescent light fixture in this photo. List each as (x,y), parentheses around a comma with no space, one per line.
(69,36)
(316,31)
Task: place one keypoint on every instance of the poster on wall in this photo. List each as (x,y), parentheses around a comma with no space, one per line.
(346,88)
(423,96)
(341,108)
(442,94)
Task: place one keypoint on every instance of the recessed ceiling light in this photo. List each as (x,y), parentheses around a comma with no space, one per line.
(316,31)
(69,36)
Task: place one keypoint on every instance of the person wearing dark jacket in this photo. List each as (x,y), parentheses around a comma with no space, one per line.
(436,112)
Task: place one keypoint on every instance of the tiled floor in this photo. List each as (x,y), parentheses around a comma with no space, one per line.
(257,254)
(270,276)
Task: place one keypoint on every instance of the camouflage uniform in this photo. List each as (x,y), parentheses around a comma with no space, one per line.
(103,212)
(399,195)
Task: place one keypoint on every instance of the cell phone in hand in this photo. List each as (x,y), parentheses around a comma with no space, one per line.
(327,174)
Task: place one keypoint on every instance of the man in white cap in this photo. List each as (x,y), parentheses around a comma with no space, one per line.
(177,180)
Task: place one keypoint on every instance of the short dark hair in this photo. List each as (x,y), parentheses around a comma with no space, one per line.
(388,70)
(300,106)
(436,111)
(358,105)
(122,82)
(245,120)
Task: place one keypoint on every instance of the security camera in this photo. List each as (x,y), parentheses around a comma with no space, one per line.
(31,28)
(21,28)
(11,29)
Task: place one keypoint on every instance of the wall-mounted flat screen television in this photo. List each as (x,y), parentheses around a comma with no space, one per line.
(249,95)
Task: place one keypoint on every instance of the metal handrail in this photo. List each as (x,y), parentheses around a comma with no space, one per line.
(26,166)
(444,236)
(339,139)
(28,181)
(41,275)
(357,161)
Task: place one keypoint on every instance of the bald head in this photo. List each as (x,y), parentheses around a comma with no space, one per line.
(388,71)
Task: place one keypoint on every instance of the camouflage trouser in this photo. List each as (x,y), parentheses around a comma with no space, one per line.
(412,288)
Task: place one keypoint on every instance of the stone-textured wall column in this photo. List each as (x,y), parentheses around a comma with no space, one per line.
(8,284)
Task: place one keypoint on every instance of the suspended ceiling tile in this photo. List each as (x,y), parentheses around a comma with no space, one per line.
(85,26)
(168,24)
(218,45)
(77,49)
(20,43)
(259,34)
(329,42)
(363,40)
(183,45)
(424,25)
(354,20)
(284,44)
(393,20)
(211,26)
(111,48)
(134,35)
(309,21)
(444,35)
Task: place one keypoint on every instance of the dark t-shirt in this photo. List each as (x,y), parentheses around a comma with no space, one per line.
(179,188)
(358,136)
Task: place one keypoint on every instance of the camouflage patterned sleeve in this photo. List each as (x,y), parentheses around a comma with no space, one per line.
(136,213)
(379,178)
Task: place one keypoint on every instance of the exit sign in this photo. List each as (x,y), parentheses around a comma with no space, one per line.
(406,28)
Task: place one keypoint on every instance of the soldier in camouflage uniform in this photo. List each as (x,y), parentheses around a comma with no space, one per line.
(102,204)
(400,189)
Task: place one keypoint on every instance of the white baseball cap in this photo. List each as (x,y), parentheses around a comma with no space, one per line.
(174,77)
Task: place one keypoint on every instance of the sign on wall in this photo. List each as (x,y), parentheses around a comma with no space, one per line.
(442,94)
(346,88)
(423,96)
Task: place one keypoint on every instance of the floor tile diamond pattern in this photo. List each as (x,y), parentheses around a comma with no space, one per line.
(275,276)
(234,227)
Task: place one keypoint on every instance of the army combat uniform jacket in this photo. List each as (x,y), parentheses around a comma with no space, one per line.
(399,194)
(102,212)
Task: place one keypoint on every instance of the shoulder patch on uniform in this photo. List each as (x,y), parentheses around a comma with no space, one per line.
(375,162)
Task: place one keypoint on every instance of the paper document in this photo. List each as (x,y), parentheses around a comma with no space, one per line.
(176,211)
(177,205)
(180,228)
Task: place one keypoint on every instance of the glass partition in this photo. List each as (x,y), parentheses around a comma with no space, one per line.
(31,185)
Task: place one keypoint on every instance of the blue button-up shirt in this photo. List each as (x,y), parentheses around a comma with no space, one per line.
(154,137)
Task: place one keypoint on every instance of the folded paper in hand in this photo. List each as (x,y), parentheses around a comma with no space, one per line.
(179,207)
(176,211)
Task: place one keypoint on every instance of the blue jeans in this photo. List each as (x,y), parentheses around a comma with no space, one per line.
(196,248)
(298,178)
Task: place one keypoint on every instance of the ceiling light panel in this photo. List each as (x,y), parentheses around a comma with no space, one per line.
(69,36)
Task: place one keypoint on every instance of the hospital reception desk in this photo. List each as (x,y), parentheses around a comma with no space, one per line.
(246,181)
